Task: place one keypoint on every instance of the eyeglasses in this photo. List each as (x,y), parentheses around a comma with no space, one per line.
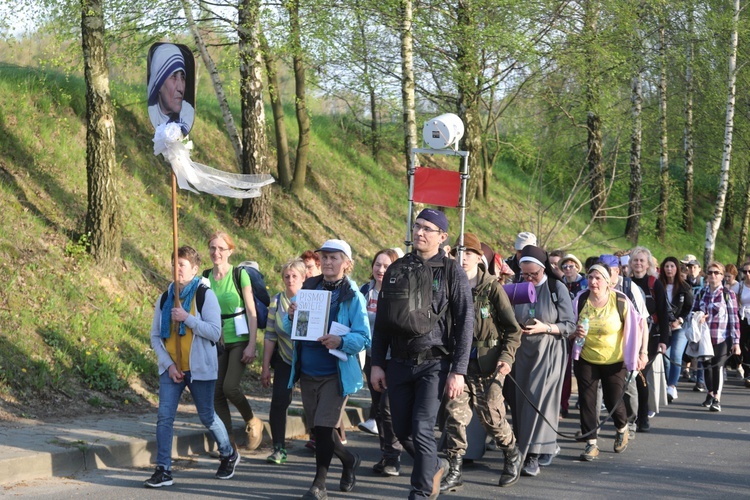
(532,275)
(714,272)
(427,230)
(213,249)
(567,266)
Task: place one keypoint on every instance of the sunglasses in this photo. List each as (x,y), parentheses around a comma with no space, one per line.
(714,272)
(568,266)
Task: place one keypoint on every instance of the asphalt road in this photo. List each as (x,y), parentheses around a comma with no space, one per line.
(690,453)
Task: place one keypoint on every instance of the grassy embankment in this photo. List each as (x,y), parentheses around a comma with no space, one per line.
(70,332)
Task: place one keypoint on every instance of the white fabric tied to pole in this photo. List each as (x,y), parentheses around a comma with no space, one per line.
(199,178)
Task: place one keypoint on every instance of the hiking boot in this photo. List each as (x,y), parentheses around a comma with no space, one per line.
(369,426)
(316,493)
(452,481)
(512,468)
(708,401)
(226,468)
(715,405)
(392,467)
(161,477)
(590,453)
(348,477)
(254,431)
(278,456)
(379,467)
(443,467)
(530,466)
(621,441)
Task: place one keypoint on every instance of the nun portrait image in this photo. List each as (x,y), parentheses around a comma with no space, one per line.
(171,85)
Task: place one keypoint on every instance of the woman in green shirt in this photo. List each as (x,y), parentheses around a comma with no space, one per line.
(240,328)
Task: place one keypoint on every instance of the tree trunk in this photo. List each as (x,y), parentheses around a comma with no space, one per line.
(593,120)
(408,97)
(254,212)
(213,72)
(632,228)
(712,226)
(303,120)
(742,247)
(687,207)
(661,220)
(277,106)
(729,207)
(467,61)
(103,218)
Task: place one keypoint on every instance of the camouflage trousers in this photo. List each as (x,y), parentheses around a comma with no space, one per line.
(485,396)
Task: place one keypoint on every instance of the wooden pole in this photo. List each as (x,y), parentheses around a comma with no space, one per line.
(175,242)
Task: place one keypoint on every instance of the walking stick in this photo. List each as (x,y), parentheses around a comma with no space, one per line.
(175,324)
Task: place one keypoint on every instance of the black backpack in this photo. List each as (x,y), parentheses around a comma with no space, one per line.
(405,300)
(260,292)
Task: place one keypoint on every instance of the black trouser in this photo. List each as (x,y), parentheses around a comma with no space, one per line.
(374,395)
(612,378)
(715,374)
(281,398)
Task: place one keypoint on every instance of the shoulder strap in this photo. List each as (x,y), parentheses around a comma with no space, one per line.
(206,273)
(651,281)
(163,300)
(236,278)
(200,297)
(621,307)
(582,300)
(553,292)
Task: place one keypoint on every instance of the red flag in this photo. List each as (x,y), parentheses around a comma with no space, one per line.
(436,187)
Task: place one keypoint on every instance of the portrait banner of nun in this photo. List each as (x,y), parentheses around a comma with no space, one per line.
(171,85)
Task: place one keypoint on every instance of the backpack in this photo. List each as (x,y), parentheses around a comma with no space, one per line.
(260,292)
(405,300)
(621,305)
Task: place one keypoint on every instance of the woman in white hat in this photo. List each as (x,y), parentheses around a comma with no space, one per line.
(325,380)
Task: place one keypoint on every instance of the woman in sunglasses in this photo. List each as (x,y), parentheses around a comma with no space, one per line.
(720,307)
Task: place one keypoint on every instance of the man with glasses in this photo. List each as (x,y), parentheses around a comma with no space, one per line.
(421,369)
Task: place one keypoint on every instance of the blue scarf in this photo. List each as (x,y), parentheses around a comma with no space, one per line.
(186,299)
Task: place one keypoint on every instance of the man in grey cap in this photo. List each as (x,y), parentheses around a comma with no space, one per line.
(424,368)
(522,239)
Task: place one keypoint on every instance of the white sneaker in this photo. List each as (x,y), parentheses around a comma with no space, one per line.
(671,393)
(369,426)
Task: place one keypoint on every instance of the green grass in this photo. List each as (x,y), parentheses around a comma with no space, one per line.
(71,332)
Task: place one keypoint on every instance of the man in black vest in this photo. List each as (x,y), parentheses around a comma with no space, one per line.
(422,369)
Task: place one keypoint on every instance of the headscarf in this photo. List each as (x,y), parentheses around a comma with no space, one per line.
(601,270)
(165,60)
(186,300)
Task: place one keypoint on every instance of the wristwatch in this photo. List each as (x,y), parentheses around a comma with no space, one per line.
(549,328)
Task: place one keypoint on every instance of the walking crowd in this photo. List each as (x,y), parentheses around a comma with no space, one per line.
(442,336)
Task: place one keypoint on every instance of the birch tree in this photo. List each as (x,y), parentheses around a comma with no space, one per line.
(712,226)
(254,212)
(103,217)
(213,72)
(661,220)
(688,146)
(408,94)
(277,108)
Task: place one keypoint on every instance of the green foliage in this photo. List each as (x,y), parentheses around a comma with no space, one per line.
(79,248)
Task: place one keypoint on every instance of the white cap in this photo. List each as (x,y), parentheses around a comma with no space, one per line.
(524,239)
(336,246)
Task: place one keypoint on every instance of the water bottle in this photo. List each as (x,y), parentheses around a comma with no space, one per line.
(578,344)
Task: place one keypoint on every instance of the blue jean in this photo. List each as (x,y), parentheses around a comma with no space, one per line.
(202,392)
(674,353)
(415,392)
